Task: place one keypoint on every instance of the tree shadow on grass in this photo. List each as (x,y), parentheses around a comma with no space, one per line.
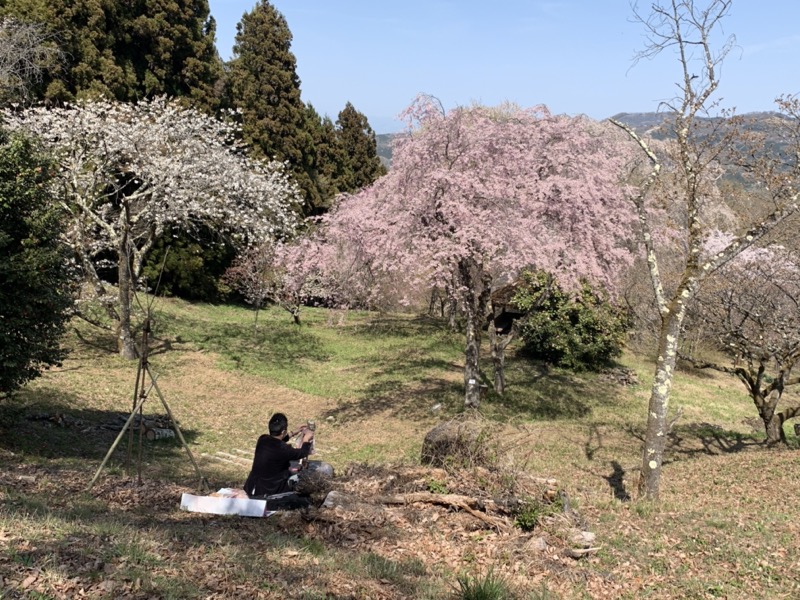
(688,368)
(277,343)
(284,345)
(415,402)
(713,439)
(94,339)
(395,326)
(615,479)
(536,391)
(702,439)
(45,424)
(408,382)
(95,342)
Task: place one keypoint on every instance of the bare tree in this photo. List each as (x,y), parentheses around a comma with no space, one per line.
(689,27)
(752,307)
(27,51)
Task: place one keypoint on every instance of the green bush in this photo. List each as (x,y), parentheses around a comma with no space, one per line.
(531,510)
(36,282)
(528,518)
(576,332)
(437,487)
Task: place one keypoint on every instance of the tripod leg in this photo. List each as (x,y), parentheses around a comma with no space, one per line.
(116,442)
(136,395)
(203,481)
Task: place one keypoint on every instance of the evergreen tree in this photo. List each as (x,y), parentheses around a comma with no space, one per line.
(128,50)
(330,155)
(190,265)
(173,50)
(357,140)
(264,85)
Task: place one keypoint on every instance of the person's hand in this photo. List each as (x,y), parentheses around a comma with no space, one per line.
(308,435)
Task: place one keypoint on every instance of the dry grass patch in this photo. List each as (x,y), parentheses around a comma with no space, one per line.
(726,528)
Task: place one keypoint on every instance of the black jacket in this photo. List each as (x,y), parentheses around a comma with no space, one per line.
(270,470)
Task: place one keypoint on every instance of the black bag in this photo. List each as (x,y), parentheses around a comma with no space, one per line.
(287,501)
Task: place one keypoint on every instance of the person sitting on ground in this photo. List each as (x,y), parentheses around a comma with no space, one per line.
(270,473)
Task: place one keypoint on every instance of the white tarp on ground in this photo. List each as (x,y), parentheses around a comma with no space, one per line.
(225,502)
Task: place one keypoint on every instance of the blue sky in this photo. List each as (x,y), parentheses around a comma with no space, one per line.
(575,56)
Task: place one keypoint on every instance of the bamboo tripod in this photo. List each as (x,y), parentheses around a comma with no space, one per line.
(141,391)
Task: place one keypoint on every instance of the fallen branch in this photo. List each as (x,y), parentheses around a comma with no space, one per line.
(545,481)
(431,498)
(465,503)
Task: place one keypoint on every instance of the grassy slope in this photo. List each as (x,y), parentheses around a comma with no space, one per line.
(724,529)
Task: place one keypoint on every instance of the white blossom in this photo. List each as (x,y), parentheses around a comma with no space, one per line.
(128,173)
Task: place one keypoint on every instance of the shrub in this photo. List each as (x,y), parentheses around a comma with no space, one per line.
(36,283)
(531,510)
(581,332)
(437,487)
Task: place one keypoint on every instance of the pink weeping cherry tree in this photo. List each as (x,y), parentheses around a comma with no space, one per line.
(475,195)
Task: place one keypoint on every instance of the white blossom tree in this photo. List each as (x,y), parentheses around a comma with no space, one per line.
(131,172)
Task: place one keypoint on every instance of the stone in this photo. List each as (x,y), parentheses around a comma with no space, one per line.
(455,442)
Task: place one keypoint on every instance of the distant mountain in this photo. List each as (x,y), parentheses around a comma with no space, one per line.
(385,148)
(650,124)
(642,122)
(769,124)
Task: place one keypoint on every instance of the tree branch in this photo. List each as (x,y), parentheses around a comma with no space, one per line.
(638,200)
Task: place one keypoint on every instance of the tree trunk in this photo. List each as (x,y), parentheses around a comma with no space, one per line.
(772,419)
(498,344)
(90,274)
(477,284)
(436,304)
(292,304)
(498,359)
(472,378)
(125,344)
(774,429)
(655,440)
(452,311)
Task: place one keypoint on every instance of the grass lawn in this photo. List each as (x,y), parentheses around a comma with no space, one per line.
(726,526)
